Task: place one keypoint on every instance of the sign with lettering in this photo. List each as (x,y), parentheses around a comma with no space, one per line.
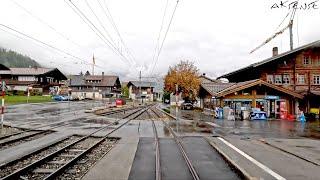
(272,97)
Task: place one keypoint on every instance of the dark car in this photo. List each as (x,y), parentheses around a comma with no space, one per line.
(187,106)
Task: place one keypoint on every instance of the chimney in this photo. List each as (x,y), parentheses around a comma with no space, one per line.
(274,51)
(102,75)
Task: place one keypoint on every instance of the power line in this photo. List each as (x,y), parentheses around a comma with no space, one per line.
(41,42)
(100,23)
(43,22)
(96,30)
(45,46)
(165,36)
(107,13)
(158,39)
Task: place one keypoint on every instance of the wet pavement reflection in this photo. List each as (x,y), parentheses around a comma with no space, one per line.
(256,128)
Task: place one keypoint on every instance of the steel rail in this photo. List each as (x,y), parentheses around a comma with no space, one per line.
(183,152)
(74,160)
(156,139)
(58,124)
(116,111)
(35,164)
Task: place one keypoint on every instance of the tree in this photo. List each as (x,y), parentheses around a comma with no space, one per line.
(125,91)
(186,75)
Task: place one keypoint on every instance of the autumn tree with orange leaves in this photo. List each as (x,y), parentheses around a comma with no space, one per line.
(186,75)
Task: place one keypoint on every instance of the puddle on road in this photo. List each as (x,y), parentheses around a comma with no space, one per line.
(271,128)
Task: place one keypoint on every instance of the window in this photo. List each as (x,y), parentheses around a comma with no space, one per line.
(286,79)
(318,61)
(306,60)
(301,79)
(316,79)
(270,79)
(278,79)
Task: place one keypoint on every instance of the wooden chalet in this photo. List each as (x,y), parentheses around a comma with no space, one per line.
(95,86)
(297,70)
(45,80)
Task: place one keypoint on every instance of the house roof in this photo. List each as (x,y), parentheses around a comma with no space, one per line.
(215,88)
(204,79)
(30,71)
(142,84)
(254,65)
(3,67)
(243,85)
(34,71)
(105,80)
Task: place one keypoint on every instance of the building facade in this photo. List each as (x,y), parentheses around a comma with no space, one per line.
(44,80)
(94,86)
(297,70)
(141,90)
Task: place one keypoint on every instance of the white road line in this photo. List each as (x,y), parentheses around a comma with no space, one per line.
(262,166)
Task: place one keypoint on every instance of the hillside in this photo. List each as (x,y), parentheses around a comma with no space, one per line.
(12,59)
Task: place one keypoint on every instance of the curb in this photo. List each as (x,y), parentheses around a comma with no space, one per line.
(240,170)
(283,150)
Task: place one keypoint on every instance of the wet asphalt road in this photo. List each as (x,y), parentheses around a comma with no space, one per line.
(257,128)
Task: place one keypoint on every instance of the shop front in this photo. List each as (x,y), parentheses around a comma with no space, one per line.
(275,102)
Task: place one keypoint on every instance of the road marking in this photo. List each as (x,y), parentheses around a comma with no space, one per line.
(262,166)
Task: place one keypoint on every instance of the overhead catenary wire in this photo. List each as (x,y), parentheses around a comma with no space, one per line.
(159,34)
(44,23)
(96,31)
(108,14)
(43,43)
(165,36)
(101,24)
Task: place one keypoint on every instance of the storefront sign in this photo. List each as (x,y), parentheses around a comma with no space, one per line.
(238,100)
(272,97)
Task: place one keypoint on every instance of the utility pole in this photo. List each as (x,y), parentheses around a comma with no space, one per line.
(93,64)
(2,104)
(140,86)
(291,35)
(177,94)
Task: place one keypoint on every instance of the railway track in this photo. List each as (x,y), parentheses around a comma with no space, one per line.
(60,162)
(179,144)
(30,134)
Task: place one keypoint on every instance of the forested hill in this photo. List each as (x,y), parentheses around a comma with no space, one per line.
(12,59)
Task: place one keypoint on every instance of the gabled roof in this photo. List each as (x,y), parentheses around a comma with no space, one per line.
(215,88)
(247,84)
(254,65)
(204,79)
(142,84)
(34,71)
(30,71)
(106,80)
(3,67)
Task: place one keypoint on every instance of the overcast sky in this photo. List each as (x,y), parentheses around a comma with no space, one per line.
(216,35)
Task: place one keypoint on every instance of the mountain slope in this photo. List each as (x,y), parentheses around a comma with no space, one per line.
(12,59)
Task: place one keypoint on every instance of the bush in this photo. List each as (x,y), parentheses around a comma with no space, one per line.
(35,92)
(20,93)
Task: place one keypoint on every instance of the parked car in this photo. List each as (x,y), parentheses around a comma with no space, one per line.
(187,105)
(59,98)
